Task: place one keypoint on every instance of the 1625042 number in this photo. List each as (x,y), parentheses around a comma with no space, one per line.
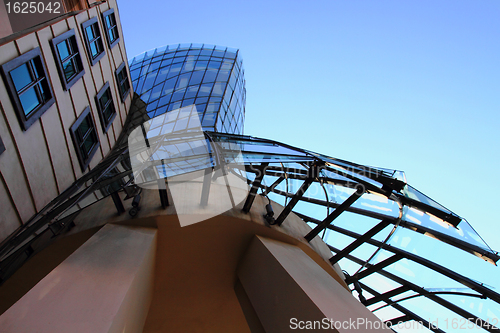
(33,7)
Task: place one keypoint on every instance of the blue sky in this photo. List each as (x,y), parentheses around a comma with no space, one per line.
(407,85)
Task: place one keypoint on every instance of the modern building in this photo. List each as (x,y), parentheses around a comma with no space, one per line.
(132,202)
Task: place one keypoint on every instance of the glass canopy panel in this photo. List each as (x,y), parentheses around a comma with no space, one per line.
(447,256)
(463,232)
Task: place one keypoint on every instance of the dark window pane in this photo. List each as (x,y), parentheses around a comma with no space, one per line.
(29,100)
(37,68)
(63,49)
(88,144)
(21,76)
(94,49)
(108,112)
(44,90)
(69,69)
(83,128)
(114,33)
(90,32)
(106,97)
(120,76)
(108,21)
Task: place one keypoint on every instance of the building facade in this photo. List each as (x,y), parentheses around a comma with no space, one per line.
(250,235)
(62,106)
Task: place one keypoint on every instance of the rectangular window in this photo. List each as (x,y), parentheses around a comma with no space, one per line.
(84,136)
(122,79)
(28,86)
(93,40)
(68,58)
(111,28)
(106,107)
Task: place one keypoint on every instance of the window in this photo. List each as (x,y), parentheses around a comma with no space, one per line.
(84,137)
(111,27)
(28,86)
(68,58)
(93,40)
(122,79)
(106,107)
(2,146)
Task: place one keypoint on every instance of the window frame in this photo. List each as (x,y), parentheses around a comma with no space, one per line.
(76,56)
(27,120)
(84,161)
(123,95)
(88,42)
(107,13)
(105,123)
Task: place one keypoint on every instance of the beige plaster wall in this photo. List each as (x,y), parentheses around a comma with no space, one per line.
(41,162)
(104,286)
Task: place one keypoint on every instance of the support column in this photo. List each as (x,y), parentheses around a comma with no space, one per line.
(288,290)
(104,286)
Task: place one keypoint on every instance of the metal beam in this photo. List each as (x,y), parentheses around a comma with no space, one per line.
(303,188)
(163,198)
(360,240)
(118,202)
(387,295)
(398,320)
(460,244)
(336,213)
(255,186)
(374,268)
(458,310)
(422,261)
(408,315)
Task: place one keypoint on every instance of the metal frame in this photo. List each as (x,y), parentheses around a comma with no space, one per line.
(58,215)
